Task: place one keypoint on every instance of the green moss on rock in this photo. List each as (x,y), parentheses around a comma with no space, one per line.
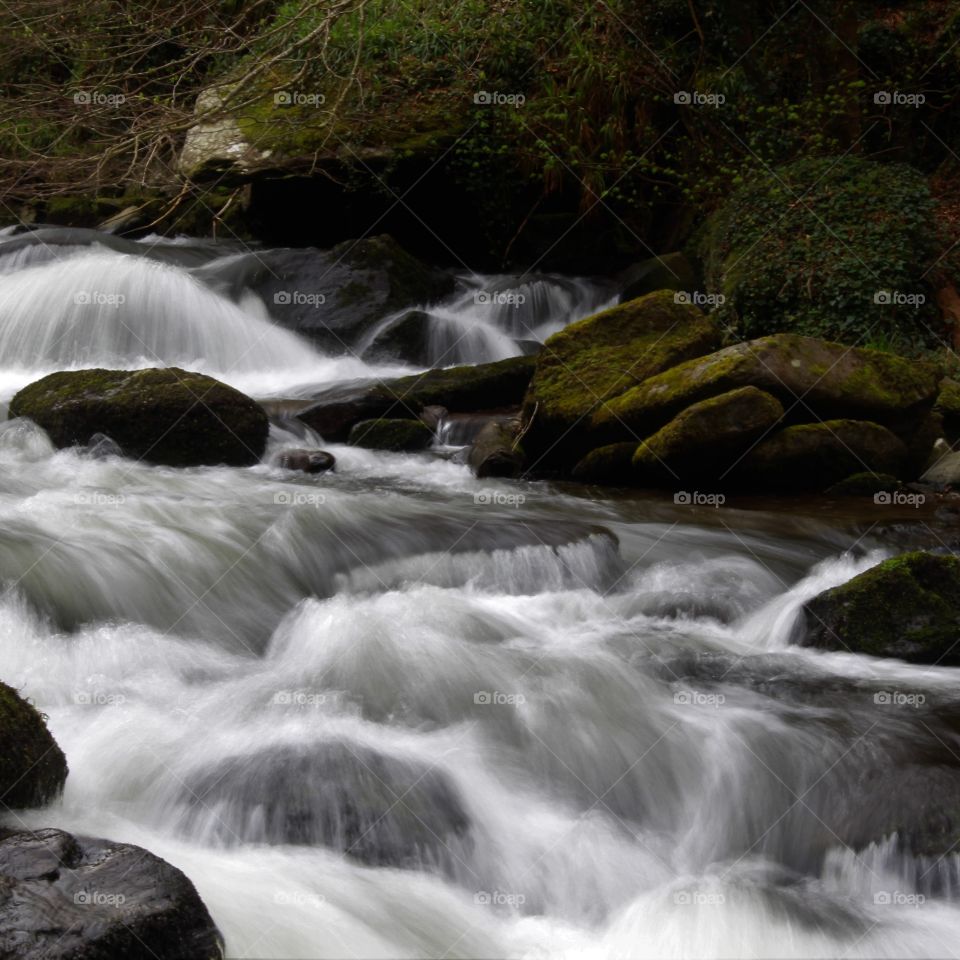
(907,607)
(611,464)
(814,379)
(598,358)
(865,484)
(948,405)
(396,435)
(32,767)
(161,415)
(707,439)
(814,456)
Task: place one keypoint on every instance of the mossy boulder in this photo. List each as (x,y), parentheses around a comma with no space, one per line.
(32,767)
(907,607)
(162,415)
(395,435)
(497,386)
(865,484)
(814,456)
(611,464)
(813,379)
(598,358)
(706,440)
(948,405)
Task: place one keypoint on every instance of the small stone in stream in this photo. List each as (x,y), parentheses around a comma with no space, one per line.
(906,607)
(432,416)
(307,461)
(496,452)
(64,897)
(396,435)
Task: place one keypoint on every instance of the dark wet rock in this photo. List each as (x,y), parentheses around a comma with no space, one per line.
(706,440)
(77,898)
(406,339)
(375,808)
(307,461)
(486,386)
(669,271)
(864,484)
(948,404)
(594,360)
(395,435)
(32,766)
(813,379)
(496,452)
(432,416)
(336,296)
(907,607)
(612,464)
(162,415)
(814,456)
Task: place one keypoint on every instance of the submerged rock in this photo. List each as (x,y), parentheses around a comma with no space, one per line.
(814,456)
(907,607)
(32,766)
(396,435)
(378,809)
(307,461)
(406,339)
(77,898)
(162,415)
(596,359)
(707,439)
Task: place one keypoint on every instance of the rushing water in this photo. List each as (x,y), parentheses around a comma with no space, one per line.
(397,711)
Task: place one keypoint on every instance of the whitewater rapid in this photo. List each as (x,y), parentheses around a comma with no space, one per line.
(396,711)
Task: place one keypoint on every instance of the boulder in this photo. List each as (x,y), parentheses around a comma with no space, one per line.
(612,464)
(32,767)
(864,484)
(814,456)
(669,271)
(598,358)
(813,379)
(907,607)
(378,809)
(307,461)
(406,339)
(496,451)
(395,435)
(486,386)
(161,415)
(945,472)
(335,297)
(948,405)
(77,898)
(706,440)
